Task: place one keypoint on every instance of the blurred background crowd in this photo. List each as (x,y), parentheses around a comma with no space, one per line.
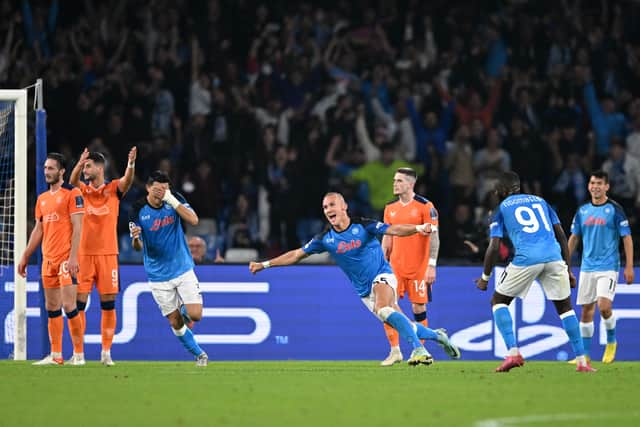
(256,109)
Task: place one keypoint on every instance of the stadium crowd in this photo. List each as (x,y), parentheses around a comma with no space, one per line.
(256,109)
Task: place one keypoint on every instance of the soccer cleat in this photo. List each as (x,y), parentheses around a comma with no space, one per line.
(575,360)
(444,342)
(105,358)
(585,368)
(420,356)
(202,360)
(77,359)
(609,352)
(49,360)
(511,362)
(395,356)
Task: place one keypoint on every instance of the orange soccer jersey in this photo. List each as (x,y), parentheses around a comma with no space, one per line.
(410,255)
(54,210)
(99,225)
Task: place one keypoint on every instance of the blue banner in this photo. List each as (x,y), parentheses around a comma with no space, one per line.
(312,313)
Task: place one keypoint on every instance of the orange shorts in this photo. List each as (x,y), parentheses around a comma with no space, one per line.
(55,274)
(417,289)
(101,270)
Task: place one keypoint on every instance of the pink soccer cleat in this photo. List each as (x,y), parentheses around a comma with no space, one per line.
(511,362)
(585,368)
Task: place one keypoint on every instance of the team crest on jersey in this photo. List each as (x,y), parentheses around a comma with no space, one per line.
(607,210)
(355,230)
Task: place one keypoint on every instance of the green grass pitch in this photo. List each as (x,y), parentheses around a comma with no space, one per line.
(307,394)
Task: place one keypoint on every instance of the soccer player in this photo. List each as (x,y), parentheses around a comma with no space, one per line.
(58,227)
(156,226)
(599,225)
(413,259)
(540,246)
(98,254)
(353,245)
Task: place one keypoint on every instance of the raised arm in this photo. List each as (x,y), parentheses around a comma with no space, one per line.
(74,178)
(292,257)
(125,182)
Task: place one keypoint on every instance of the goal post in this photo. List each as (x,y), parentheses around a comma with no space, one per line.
(13,185)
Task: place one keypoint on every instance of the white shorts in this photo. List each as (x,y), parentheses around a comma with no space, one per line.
(553,276)
(389,279)
(596,284)
(171,295)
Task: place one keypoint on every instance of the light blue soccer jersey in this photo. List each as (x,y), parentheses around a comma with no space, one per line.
(600,227)
(356,250)
(528,222)
(166,254)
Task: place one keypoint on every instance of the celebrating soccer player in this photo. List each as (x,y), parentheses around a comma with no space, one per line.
(352,243)
(413,258)
(98,254)
(156,227)
(540,245)
(600,224)
(58,227)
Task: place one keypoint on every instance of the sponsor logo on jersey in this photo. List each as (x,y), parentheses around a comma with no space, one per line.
(99,211)
(52,217)
(592,220)
(159,223)
(347,246)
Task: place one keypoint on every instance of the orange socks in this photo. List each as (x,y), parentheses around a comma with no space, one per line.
(76,331)
(56,326)
(108,328)
(392,335)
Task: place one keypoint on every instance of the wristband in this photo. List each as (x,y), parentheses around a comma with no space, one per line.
(420,228)
(171,200)
(266,264)
(432,262)
(485,277)
(131,165)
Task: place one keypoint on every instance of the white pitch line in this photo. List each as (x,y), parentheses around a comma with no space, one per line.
(528,419)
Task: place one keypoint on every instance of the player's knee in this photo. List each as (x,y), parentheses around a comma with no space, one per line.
(563,306)
(69,307)
(383,313)
(108,305)
(500,299)
(419,317)
(195,314)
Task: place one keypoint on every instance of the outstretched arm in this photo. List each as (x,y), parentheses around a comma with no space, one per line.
(287,258)
(125,182)
(74,178)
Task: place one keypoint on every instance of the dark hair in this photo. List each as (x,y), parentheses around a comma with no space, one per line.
(407,171)
(158,176)
(600,174)
(97,157)
(509,183)
(58,158)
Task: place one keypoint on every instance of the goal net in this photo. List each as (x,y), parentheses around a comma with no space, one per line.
(13,217)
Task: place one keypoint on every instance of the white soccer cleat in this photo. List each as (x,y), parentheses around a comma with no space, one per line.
(202,360)
(395,356)
(105,358)
(50,360)
(77,359)
(444,342)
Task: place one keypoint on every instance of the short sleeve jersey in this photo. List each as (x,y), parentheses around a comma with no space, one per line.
(356,250)
(410,255)
(54,210)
